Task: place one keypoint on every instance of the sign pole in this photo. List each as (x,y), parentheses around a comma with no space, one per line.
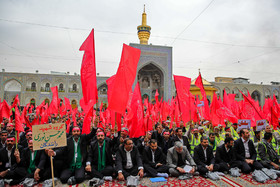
(52,170)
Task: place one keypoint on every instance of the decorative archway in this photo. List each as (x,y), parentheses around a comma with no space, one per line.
(151,78)
(11,89)
(256,95)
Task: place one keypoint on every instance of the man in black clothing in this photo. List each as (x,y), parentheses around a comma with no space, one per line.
(154,160)
(204,158)
(179,137)
(100,161)
(4,135)
(246,153)
(10,162)
(168,142)
(128,161)
(75,154)
(24,141)
(157,135)
(34,162)
(225,156)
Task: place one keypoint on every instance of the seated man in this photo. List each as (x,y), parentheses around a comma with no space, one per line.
(178,157)
(267,156)
(75,154)
(204,158)
(128,161)
(10,161)
(225,156)
(24,141)
(246,152)
(212,141)
(154,160)
(100,161)
(34,162)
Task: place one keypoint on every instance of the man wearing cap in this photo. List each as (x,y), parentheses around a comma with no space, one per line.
(100,162)
(4,135)
(75,154)
(168,142)
(204,158)
(154,161)
(178,157)
(34,162)
(179,137)
(10,162)
(128,161)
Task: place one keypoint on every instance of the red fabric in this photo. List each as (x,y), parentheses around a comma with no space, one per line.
(88,70)
(5,109)
(199,84)
(251,110)
(53,108)
(156,95)
(39,108)
(67,126)
(274,118)
(27,122)
(124,79)
(67,104)
(87,119)
(184,96)
(18,124)
(136,124)
(23,113)
(16,102)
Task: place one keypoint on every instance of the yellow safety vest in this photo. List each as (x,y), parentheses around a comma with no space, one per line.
(194,142)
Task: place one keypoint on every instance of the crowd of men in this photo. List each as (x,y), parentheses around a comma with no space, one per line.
(165,151)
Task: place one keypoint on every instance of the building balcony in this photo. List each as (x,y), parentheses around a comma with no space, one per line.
(31,89)
(45,89)
(70,90)
(61,90)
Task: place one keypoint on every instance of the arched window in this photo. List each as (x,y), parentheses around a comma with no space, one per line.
(60,88)
(256,95)
(74,87)
(47,87)
(33,86)
(276,93)
(236,92)
(47,101)
(267,93)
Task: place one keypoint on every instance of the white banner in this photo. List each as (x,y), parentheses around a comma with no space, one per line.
(244,124)
(261,124)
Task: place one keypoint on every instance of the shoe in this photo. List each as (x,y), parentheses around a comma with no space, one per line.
(107,178)
(71,181)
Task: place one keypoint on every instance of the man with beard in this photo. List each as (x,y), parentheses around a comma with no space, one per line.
(168,142)
(75,153)
(204,158)
(246,153)
(154,160)
(4,135)
(120,139)
(24,142)
(100,161)
(194,138)
(34,162)
(212,141)
(225,156)
(157,135)
(10,161)
(177,158)
(179,137)
(10,129)
(128,161)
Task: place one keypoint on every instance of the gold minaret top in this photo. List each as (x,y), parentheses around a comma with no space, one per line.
(144,30)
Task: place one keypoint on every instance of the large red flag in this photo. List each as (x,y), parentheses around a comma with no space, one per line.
(88,70)
(53,108)
(136,124)
(199,84)
(183,93)
(15,102)
(5,109)
(67,104)
(87,119)
(18,123)
(124,79)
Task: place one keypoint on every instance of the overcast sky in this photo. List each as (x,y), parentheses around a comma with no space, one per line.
(231,38)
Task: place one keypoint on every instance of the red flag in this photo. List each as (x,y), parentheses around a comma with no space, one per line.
(67,126)
(156,95)
(16,102)
(199,84)
(88,70)
(136,124)
(183,93)
(124,79)
(67,103)
(18,124)
(5,109)
(87,119)
(55,101)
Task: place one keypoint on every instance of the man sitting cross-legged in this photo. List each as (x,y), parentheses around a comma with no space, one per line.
(154,160)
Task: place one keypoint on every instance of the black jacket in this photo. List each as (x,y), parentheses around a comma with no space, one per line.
(93,153)
(185,140)
(159,138)
(4,158)
(40,158)
(240,150)
(159,156)
(222,156)
(121,158)
(199,157)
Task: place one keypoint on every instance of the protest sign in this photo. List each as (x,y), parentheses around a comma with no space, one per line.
(261,124)
(48,136)
(244,124)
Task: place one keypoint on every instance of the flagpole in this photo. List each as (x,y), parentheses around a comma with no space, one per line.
(16,140)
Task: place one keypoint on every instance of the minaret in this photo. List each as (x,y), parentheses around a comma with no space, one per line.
(144,30)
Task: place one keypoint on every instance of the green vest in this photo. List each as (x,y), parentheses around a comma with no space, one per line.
(32,166)
(77,154)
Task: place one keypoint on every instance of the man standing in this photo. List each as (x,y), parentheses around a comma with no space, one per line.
(154,160)
(128,161)
(157,135)
(168,142)
(178,157)
(225,156)
(4,135)
(204,158)
(100,161)
(179,137)
(246,153)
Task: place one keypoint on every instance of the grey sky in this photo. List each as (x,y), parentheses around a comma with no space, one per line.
(233,38)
